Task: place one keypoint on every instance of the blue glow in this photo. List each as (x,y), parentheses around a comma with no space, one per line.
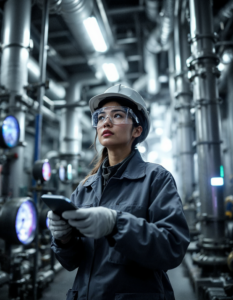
(10,131)
(217,181)
(47,222)
(25,223)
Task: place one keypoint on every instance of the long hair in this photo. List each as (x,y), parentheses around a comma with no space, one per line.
(104,153)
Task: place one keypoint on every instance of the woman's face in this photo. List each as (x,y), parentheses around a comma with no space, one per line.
(122,134)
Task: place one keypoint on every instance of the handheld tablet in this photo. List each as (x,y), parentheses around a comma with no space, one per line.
(58,204)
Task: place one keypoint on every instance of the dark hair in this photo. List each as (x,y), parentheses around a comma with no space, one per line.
(104,153)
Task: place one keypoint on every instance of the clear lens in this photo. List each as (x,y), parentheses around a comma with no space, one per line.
(116,114)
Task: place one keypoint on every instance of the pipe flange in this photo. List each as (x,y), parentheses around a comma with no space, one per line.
(29,47)
(179,74)
(183,106)
(182,93)
(204,102)
(200,56)
(209,260)
(204,217)
(214,37)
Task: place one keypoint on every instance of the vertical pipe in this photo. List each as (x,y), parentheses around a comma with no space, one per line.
(42,63)
(14,75)
(202,65)
(183,97)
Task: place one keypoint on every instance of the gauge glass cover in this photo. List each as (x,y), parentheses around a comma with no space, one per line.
(10,131)
(25,223)
(46,171)
(62,173)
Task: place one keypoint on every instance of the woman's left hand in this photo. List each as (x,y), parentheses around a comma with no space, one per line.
(93,222)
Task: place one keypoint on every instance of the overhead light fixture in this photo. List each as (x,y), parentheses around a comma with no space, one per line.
(221,66)
(95,34)
(111,72)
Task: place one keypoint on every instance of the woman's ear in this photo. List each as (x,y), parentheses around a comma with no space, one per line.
(137,131)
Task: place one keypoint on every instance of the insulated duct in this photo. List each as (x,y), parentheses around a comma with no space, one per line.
(74,12)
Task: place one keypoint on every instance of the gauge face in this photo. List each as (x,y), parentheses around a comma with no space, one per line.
(46,171)
(62,173)
(25,223)
(47,222)
(10,131)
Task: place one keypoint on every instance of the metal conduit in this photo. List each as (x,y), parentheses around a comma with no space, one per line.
(203,73)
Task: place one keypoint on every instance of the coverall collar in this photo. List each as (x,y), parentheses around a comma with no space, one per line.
(136,169)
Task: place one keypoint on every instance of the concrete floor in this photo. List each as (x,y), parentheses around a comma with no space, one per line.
(64,280)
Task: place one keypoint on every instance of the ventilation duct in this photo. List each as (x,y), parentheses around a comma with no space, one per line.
(74,12)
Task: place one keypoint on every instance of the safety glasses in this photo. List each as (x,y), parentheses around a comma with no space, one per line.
(116,114)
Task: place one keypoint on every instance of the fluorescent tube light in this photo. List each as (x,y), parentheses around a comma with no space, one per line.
(217,181)
(95,34)
(110,71)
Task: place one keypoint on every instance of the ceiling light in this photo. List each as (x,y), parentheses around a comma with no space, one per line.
(227,56)
(111,72)
(95,34)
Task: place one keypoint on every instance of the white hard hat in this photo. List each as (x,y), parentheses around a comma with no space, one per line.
(128,93)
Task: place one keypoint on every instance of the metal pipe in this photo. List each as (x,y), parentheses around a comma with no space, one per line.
(203,73)
(14,75)
(41,89)
(55,91)
(183,96)
(74,12)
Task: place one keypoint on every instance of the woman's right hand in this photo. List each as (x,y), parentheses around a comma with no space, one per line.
(59,228)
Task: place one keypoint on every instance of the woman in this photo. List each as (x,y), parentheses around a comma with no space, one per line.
(130,214)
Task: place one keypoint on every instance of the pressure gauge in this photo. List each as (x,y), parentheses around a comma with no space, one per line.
(65,172)
(42,170)
(9,132)
(18,221)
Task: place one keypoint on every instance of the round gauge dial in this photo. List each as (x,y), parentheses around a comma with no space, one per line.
(25,223)
(46,171)
(10,131)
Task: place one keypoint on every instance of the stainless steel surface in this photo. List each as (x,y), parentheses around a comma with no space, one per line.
(42,63)
(14,75)
(74,12)
(202,65)
(55,91)
(184,99)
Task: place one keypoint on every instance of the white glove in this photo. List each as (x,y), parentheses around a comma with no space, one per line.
(93,222)
(59,228)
